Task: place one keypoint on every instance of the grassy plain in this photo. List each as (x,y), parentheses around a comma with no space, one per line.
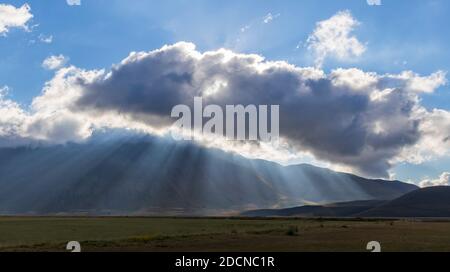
(219,234)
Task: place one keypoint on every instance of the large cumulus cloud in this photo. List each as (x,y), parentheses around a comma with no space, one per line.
(349,117)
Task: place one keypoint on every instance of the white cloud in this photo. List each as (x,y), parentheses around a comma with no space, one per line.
(73,2)
(49,118)
(416,83)
(374,2)
(270,17)
(332,38)
(425,84)
(45,39)
(12,17)
(443,180)
(349,118)
(54,62)
(435,140)
(12,118)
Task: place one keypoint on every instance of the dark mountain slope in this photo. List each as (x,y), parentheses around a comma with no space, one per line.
(433,202)
(427,202)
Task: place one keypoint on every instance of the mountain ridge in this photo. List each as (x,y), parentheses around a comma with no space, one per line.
(142,174)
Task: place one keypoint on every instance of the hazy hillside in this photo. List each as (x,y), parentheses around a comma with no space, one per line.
(154,175)
(343,209)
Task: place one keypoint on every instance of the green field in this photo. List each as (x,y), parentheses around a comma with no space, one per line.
(219,234)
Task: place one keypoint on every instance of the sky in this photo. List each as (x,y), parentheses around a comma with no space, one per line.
(46,46)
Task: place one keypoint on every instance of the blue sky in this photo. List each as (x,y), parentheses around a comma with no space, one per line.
(398,35)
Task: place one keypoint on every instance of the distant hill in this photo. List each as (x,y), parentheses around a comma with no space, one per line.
(147,175)
(427,202)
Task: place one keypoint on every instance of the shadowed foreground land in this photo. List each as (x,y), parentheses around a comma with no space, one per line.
(207,234)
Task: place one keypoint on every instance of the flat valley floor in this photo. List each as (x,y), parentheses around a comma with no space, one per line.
(220,234)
